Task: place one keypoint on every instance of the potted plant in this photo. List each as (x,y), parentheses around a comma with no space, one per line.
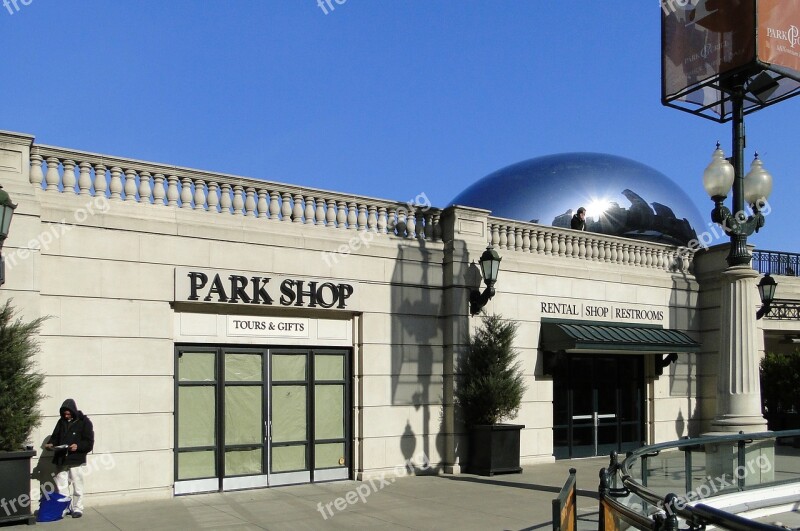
(20,394)
(490,390)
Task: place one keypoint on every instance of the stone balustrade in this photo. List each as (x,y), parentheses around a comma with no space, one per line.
(553,241)
(62,171)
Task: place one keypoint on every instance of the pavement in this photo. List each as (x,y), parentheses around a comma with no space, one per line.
(465,502)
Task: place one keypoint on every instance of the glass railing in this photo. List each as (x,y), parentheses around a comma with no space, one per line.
(690,483)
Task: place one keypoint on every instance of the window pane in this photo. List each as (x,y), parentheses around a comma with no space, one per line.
(289,413)
(288,367)
(196,367)
(241,367)
(329,367)
(196,416)
(193,465)
(241,462)
(286,458)
(328,455)
(243,422)
(329,411)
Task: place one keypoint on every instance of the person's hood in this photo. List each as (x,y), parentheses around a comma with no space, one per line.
(69,404)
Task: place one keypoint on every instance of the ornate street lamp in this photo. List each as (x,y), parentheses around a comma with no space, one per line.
(719,178)
(490,267)
(6,211)
(766,290)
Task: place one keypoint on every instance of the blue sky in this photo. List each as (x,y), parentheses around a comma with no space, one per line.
(384,98)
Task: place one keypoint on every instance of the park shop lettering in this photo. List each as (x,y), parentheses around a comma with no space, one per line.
(644,315)
(239,289)
(559,308)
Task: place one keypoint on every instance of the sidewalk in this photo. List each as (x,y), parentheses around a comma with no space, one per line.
(464,502)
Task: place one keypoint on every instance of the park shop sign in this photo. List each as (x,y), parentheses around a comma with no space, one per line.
(262,289)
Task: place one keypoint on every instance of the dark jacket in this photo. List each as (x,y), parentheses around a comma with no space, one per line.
(79,430)
(577,223)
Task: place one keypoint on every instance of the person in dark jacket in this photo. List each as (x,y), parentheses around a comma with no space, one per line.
(72,439)
(578,221)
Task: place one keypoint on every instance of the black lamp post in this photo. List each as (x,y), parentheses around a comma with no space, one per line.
(6,211)
(720,178)
(490,267)
(766,290)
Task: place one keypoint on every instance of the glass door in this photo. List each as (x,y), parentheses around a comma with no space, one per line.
(255,417)
(597,405)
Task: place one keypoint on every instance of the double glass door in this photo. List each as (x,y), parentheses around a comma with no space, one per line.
(250,417)
(597,405)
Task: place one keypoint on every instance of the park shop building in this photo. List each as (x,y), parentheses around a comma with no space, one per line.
(226,332)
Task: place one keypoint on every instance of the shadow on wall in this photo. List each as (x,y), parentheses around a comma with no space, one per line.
(417,354)
(684,374)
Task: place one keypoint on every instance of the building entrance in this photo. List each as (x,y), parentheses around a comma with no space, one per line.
(597,404)
(255,417)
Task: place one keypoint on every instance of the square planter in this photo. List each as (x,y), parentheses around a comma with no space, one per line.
(15,488)
(494,449)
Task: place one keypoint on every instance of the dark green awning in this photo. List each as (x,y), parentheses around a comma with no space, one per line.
(612,337)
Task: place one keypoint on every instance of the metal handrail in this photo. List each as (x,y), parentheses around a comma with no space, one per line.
(671,505)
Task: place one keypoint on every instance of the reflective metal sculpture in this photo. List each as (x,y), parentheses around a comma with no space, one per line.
(622,197)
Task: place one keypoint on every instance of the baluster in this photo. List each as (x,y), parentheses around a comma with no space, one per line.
(263,204)
(199,194)
(422,226)
(562,245)
(568,251)
(372,219)
(36,176)
(352,216)
(601,251)
(382,220)
(362,217)
(238,200)
(581,247)
(411,224)
(213,197)
(614,252)
(115,186)
(297,211)
(526,240)
(637,255)
(250,202)
(539,241)
(144,187)
(130,185)
(506,238)
(68,179)
(225,202)
(311,209)
(100,184)
(330,215)
(548,243)
(52,178)
(159,193)
(341,214)
(286,207)
(85,178)
(495,231)
(186,192)
(320,215)
(274,205)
